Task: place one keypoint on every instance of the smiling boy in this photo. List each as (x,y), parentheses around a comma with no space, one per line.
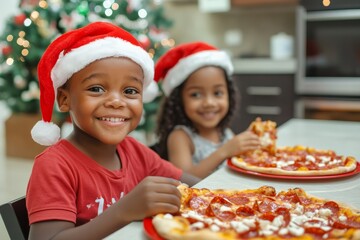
(98,179)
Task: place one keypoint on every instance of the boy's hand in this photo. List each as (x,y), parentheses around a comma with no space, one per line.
(151,196)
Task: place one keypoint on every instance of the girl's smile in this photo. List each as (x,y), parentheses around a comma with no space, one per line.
(206,98)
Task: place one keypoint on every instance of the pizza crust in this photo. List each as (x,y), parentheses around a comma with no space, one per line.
(178,228)
(239,162)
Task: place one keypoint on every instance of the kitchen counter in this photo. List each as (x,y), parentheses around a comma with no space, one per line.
(343,137)
(264,66)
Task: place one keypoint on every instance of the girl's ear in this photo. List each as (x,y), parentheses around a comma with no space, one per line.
(63,100)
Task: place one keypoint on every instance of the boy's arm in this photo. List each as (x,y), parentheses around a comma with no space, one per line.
(151,196)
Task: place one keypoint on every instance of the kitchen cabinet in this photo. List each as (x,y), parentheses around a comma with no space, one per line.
(269,96)
(239,3)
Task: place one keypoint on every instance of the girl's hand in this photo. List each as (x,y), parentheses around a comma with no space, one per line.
(151,196)
(242,142)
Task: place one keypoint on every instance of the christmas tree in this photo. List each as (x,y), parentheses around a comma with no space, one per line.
(27,34)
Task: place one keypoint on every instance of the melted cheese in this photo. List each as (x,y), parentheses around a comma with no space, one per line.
(239,227)
(265,140)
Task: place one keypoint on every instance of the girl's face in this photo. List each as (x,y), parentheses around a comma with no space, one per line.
(105,99)
(205,97)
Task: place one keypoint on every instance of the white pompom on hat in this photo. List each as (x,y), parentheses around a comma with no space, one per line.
(177,64)
(72,52)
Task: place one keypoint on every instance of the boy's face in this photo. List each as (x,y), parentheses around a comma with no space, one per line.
(205,97)
(105,98)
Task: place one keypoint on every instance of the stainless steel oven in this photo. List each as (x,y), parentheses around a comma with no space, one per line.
(327,81)
(325,108)
(328,49)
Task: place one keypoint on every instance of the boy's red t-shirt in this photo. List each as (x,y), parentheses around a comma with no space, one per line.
(65,184)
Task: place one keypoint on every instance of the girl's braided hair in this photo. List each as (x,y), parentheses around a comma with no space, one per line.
(172,114)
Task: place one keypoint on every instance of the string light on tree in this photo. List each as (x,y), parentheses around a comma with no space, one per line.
(326,3)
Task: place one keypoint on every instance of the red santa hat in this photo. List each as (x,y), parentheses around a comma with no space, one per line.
(72,52)
(176,65)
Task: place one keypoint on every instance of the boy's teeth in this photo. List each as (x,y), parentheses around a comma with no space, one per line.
(112,119)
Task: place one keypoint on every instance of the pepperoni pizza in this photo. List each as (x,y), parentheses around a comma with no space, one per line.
(290,160)
(257,214)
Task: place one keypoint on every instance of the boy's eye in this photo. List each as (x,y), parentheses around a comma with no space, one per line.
(131,91)
(96,89)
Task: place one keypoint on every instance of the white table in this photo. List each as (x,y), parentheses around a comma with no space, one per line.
(343,137)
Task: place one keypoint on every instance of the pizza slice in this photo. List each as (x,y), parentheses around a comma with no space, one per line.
(296,161)
(256,214)
(266,130)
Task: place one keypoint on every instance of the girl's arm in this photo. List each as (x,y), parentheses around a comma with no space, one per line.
(151,196)
(181,148)
(189,179)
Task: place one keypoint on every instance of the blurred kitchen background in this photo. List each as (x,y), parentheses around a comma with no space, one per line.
(292,58)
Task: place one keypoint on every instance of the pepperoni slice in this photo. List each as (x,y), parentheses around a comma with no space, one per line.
(256,206)
(351,222)
(225,215)
(238,199)
(268,205)
(196,203)
(285,213)
(245,211)
(221,201)
(292,197)
(268,216)
(333,206)
(315,231)
(214,209)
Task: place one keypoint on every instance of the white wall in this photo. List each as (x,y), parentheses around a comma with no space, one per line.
(7,9)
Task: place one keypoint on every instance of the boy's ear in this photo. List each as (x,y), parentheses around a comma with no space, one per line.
(62,99)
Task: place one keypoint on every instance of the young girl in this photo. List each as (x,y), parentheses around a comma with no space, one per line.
(97,179)
(200,100)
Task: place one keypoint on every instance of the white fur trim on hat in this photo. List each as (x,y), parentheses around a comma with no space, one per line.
(186,66)
(45,133)
(151,92)
(80,57)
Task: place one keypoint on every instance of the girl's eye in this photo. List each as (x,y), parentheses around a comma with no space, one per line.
(96,89)
(219,93)
(195,95)
(131,91)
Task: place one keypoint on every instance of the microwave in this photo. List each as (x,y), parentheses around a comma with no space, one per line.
(328,49)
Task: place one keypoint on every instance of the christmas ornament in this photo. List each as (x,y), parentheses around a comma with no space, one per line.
(28,4)
(83,8)
(6,50)
(133,5)
(32,93)
(19,82)
(19,19)
(70,22)
(55,5)
(137,25)
(144,40)
(158,35)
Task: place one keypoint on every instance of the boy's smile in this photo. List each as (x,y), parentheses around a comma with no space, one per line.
(105,99)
